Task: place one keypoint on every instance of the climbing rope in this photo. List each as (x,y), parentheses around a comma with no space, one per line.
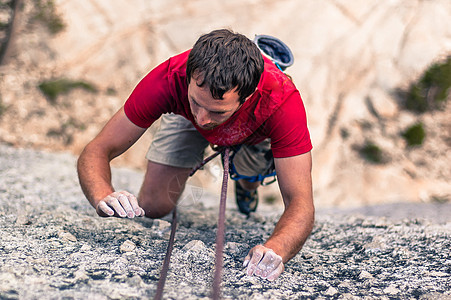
(165,268)
(216,294)
(220,234)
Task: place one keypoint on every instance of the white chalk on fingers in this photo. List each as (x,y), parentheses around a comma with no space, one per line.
(106,209)
(130,214)
(250,270)
(245,263)
(274,274)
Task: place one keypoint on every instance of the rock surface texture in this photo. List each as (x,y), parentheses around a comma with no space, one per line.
(351,59)
(54,246)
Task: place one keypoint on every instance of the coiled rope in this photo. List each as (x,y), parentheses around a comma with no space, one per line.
(220,234)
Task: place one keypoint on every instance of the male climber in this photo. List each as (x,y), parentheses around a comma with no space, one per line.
(222,92)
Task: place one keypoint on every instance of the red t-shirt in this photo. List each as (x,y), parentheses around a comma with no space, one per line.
(274,111)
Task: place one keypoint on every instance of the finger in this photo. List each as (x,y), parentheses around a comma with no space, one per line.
(245,263)
(256,255)
(274,274)
(104,208)
(116,206)
(247,259)
(138,211)
(125,202)
(268,264)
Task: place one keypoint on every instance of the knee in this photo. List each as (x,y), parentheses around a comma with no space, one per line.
(152,214)
(153,208)
(161,189)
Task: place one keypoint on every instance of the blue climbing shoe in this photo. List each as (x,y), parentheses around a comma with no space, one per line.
(247,201)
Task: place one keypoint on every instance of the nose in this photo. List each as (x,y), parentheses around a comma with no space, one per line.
(203,117)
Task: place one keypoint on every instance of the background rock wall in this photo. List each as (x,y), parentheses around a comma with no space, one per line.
(351,58)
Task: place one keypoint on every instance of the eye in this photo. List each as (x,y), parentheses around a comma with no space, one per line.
(194,102)
(218,112)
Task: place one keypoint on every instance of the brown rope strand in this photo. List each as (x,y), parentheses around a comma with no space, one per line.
(220,234)
(167,258)
(205,161)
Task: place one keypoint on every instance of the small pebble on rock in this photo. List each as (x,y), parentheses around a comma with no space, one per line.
(194,245)
(127,246)
(331,291)
(85,248)
(365,275)
(23,220)
(392,290)
(67,236)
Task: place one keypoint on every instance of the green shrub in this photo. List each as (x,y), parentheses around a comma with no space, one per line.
(371,153)
(47,15)
(2,108)
(111,91)
(66,131)
(344,133)
(414,135)
(270,199)
(432,89)
(441,198)
(53,88)
(3,26)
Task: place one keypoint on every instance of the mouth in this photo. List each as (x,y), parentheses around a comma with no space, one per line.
(207,127)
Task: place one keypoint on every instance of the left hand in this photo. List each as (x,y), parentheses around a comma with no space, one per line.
(263,262)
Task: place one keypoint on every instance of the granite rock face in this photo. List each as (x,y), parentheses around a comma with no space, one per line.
(54,246)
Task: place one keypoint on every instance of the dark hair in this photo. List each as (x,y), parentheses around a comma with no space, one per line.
(224,61)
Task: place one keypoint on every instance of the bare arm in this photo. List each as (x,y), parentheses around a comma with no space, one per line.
(94,170)
(295,224)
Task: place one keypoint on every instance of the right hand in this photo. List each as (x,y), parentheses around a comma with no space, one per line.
(263,262)
(119,204)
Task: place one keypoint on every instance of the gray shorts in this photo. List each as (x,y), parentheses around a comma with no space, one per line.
(177,143)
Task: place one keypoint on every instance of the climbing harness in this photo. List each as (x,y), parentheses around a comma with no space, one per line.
(270,172)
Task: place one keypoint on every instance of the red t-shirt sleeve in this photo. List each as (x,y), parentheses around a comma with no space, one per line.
(151,98)
(287,128)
